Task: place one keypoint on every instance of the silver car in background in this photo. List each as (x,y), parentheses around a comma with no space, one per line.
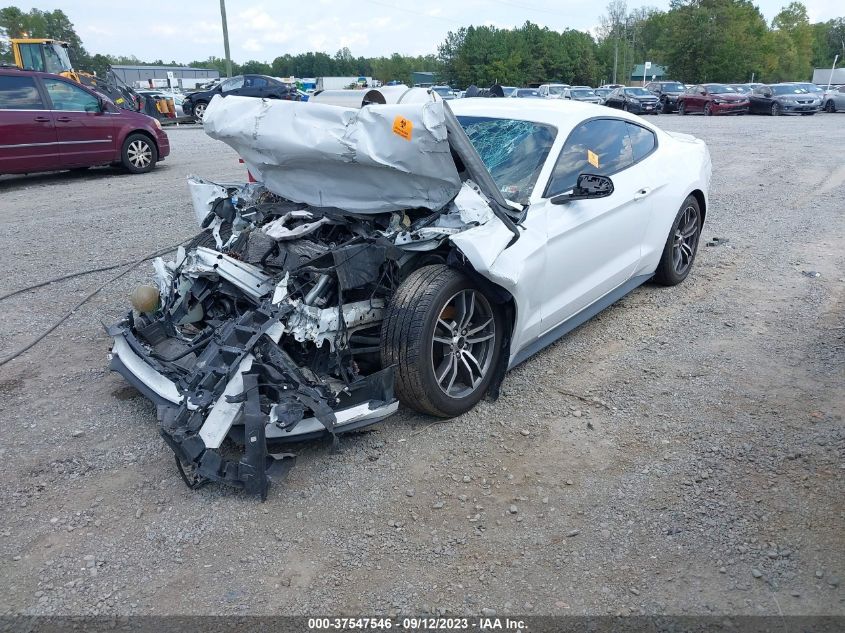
(552,91)
(582,93)
(834,99)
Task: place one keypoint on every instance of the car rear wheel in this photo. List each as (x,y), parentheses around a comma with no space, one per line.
(444,336)
(708,109)
(625,107)
(776,111)
(682,108)
(199,110)
(139,154)
(681,245)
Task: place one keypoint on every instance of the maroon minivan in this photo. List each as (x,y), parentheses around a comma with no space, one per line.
(48,123)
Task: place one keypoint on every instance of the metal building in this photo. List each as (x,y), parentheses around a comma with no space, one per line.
(183,76)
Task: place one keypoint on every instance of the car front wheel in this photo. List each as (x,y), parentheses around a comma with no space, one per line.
(139,154)
(708,109)
(199,111)
(444,336)
(830,106)
(682,108)
(776,109)
(681,245)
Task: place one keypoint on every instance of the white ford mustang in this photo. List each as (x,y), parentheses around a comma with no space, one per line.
(406,253)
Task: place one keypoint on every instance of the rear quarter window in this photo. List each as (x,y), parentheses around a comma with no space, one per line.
(19,93)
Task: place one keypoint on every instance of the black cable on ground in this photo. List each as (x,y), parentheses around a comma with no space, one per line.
(64,318)
(82,273)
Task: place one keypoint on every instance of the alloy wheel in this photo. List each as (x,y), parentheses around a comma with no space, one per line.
(682,108)
(462,346)
(708,110)
(140,154)
(686,240)
(199,111)
(830,106)
(775,109)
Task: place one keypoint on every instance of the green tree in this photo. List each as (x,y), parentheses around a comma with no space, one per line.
(794,24)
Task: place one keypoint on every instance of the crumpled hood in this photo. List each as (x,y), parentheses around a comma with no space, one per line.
(372,160)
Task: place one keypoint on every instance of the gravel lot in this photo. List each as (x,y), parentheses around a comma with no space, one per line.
(682,453)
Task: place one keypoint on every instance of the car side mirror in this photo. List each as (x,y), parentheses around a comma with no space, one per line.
(588,186)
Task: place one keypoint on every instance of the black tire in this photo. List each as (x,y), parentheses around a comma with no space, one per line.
(708,109)
(776,110)
(139,154)
(409,341)
(198,111)
(830,106)
(669,272)
(682,108)
(625,107)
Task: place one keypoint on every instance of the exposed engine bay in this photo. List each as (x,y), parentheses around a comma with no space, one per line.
(266,329)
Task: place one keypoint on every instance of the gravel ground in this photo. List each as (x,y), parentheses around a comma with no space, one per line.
(682,453)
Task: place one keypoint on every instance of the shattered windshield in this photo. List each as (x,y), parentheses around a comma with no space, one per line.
(513,151)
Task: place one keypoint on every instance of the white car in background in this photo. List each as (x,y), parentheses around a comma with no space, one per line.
(410,252)
(553,91)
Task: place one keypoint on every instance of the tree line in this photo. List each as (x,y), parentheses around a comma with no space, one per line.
(696,40)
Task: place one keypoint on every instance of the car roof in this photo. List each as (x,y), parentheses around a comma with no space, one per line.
(560,113)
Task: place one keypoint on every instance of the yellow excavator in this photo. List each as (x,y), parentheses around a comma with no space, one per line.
(51,56)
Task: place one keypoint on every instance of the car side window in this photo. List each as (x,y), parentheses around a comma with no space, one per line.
(232,84)
(258,82)
(600,146)
(70,98)
(19,93)
(643,141)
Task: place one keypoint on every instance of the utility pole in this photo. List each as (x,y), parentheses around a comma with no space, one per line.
(615,55)
(226,38)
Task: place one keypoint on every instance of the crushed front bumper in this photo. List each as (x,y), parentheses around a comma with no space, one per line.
(195,422)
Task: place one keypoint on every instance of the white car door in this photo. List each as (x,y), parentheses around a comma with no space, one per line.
(594,246)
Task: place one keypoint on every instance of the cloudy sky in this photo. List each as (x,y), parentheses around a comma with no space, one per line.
(187,30)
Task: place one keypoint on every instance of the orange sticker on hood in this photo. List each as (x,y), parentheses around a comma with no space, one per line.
(403,127)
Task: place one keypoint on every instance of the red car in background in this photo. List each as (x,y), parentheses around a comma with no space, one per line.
(49,123)
(712,99)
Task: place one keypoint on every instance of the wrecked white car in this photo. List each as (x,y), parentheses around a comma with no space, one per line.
(405,253)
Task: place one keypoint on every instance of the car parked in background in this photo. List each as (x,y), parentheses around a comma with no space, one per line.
(582,93)
(633,99)
(444,92)
(712,99)
(195,103)
(526,93)
(667,92)
(777,99)
(834,99)
(552,91)
(49,123)
(509,90)
(602,93)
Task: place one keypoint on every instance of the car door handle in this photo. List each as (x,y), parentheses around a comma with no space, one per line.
(42,119)
(642,193)
(64,119)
